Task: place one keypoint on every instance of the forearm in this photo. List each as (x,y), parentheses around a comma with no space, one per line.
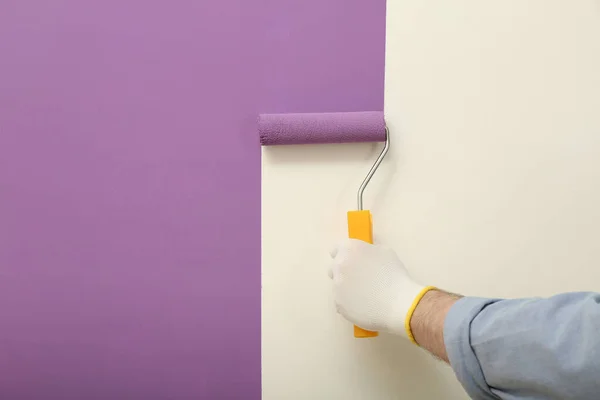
(526,348)
(498,349)
(427,322)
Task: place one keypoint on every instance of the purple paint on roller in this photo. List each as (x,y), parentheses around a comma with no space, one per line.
(319,128)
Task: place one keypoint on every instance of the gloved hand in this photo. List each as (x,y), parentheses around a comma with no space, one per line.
(372,288)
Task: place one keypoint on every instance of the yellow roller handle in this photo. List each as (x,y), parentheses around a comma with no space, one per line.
(360,226)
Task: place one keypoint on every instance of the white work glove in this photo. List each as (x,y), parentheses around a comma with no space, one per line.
(372,288)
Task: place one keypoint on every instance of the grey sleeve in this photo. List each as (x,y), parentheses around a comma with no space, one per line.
(527,348)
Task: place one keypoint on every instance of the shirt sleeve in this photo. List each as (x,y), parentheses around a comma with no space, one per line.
(526,348)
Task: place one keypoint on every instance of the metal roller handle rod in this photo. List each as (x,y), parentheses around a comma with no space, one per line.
(367,179)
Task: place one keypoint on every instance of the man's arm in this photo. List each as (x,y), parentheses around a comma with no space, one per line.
(526,348)
(427,322)
(515,349)
(499,349)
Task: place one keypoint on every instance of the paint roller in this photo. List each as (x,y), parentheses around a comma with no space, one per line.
(341,127)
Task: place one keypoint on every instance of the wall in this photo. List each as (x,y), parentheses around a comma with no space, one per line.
(491,188)
(129,198)
(324,56)
(129,183)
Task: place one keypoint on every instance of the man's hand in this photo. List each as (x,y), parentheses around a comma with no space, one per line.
(372,288)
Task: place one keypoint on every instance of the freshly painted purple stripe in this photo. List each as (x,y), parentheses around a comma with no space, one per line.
(130,183)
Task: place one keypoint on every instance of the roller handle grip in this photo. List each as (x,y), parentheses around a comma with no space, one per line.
(360,226)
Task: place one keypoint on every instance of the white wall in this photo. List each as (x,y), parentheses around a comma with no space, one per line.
(492,188)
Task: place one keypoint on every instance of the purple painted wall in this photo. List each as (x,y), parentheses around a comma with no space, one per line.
(130,182)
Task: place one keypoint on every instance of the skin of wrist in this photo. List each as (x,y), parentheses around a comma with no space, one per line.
(427,321)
